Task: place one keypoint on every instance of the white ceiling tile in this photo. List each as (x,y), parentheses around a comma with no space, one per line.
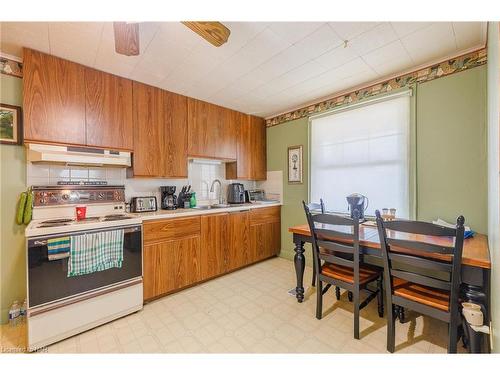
(349,30)
(430,43)
(391,54)
(261,48)
(377,37)
(337,56)
(468,34)
(292,32)
(319,42)
(281,63)
(403,29)
(146,77)
(297,75)
(16,35)
(75,41)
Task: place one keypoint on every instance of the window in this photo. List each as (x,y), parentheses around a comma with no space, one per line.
(364,150)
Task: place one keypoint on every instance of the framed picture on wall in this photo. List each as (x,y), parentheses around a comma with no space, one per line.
(295,164)
(10,124)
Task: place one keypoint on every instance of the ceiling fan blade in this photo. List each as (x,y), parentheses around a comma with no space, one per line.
(213,32)
(126,38)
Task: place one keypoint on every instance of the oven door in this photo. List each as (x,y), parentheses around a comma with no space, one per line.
(48,281)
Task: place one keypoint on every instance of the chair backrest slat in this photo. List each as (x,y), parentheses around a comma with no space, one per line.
(420,227)
(331,258)
(421,279)
(397,244)
(420,262)
(332,235)
(331,219)
(314,207)
(334,246)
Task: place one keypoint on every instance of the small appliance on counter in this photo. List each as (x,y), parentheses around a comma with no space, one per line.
(168,198)
(258,196)
(143,204)
(235,193)
(358,202)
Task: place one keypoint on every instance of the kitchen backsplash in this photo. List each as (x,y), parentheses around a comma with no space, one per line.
(48,174)
(201,175)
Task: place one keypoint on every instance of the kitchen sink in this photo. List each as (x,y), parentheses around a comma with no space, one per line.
(216,206)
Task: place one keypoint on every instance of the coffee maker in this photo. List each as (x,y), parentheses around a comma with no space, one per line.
(357,202)
(168,198)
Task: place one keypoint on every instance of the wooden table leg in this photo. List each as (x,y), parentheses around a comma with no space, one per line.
(300,264)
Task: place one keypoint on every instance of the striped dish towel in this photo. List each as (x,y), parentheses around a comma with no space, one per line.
(58,248)
(94,252)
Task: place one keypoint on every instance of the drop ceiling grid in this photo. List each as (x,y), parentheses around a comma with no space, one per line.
(265,68)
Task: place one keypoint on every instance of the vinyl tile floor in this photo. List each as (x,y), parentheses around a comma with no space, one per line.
(247,311)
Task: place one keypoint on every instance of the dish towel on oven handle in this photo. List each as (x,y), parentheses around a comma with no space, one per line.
(94,252)
(58,248)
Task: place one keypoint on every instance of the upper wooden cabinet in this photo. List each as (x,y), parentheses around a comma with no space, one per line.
(53,99)
(160,132)
(251,161)
(108,110)
(149,132)
(176,135)
(212,130)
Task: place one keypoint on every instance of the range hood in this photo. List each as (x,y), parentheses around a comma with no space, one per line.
(78,156)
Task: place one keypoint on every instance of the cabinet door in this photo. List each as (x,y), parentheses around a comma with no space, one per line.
(227,123)
(265,232)
(176,135)
(202,120)
(258,148)
(148,160)
(214,245)
(265,240)
(171,265)
(53,99)
(108,110)
(238,252)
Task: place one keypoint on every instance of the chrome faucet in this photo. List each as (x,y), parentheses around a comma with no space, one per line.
(220,189)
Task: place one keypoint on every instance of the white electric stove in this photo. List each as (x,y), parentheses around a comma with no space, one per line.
(60,306)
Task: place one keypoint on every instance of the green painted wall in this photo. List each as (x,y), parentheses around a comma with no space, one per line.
(451,149)
(450,154)
(12,182)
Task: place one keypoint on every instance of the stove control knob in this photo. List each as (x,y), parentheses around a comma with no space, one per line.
(65,196)
(43,201)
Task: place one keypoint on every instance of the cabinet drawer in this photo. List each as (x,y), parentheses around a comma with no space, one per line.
(171,229)
(265,215)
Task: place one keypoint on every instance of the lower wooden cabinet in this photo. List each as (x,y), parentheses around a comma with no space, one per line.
(265,232)
(184,251)
(214,245)
(171,265)
(238,252)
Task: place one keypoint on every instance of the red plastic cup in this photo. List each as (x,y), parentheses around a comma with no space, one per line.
(81,212)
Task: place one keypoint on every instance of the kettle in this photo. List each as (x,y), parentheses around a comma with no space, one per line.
(357,202)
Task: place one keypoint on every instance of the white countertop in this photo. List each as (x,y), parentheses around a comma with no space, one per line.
(182,212)
(136,218)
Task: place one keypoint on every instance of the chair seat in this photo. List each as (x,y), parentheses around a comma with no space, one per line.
(439,299)
(346,274)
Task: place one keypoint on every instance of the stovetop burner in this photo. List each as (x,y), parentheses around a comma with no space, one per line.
(88,219)
(57,221)
(50,225)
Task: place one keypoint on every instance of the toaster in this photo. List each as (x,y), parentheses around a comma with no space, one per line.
(143,204)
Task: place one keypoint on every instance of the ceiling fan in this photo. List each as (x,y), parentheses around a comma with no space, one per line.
(127,35)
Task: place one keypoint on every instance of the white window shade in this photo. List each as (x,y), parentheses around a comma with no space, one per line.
(363,150)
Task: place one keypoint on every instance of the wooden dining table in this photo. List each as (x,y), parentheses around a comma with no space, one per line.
(476,264)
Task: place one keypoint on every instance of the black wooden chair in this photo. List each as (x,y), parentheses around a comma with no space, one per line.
(316,207)
(414,290)
(333,236)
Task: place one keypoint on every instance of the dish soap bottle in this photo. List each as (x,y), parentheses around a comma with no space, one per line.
(192,200)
